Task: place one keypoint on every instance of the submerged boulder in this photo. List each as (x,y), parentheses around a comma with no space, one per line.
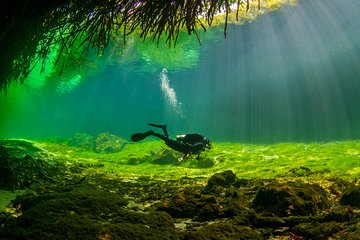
(109,143)
(191,204)
(205,163)
(102,143)
(318,231)
(295,198)
(351,196)
(82,140)
(165,156)
(223,230)
(223,179)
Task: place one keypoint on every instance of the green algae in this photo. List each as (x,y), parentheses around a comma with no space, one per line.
(7,197)
(331,159)
(85,212)
(132,194)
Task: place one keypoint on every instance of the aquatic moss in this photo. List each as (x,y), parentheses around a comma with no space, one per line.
(85,212)
(223,230)
(23,164)
(115,206)
(351,196)
(293,198)
(318,231)
(285,160)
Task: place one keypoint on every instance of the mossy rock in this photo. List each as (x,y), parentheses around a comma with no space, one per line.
(318,231)
(352,233)
(351,196)
(294,198)
(82,140)
(205,163)
(222,179)
(222,230)
(109,143)
(23,164)
(165,157)
(191,204)
(84,212)
(136,161)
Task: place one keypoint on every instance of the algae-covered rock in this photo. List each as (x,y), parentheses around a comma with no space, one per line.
(136,160)
(191,204)
(84,212)
(22,164)
(353,232)
(223,179)
(318,231)
(351,196)
(165,156)
(109,143)
(222,230)
(205,163)
(82,140)
(294,198)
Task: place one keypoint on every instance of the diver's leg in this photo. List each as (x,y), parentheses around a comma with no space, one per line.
(163,127)
(165,131)
(140,136)
(158,135)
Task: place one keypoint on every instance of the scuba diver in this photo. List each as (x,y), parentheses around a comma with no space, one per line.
(188,144)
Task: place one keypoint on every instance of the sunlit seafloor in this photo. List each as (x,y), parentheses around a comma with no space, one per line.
(315,160)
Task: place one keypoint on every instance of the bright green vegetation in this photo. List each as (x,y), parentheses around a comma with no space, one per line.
(283,160)
(279,191)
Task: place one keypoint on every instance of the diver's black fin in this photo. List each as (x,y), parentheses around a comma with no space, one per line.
(140,136)
(157,125)
(163,127)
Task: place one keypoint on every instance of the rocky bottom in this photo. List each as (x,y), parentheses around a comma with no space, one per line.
(221,207)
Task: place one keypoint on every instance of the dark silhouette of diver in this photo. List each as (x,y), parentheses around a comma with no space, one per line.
(188,144)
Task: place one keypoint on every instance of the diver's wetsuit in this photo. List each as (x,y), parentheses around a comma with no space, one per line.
(188,144)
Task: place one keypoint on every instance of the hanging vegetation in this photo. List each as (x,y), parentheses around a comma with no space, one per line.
(31,29)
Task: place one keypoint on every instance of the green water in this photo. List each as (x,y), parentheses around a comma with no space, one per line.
(279,99)
(288,76)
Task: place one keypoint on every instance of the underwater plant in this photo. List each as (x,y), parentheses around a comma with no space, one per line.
(32,30)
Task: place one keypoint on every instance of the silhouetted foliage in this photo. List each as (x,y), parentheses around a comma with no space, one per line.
(30,29)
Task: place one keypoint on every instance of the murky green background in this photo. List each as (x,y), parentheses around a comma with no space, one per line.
(291,75)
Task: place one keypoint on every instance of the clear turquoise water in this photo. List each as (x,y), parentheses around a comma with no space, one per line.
(291,75)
